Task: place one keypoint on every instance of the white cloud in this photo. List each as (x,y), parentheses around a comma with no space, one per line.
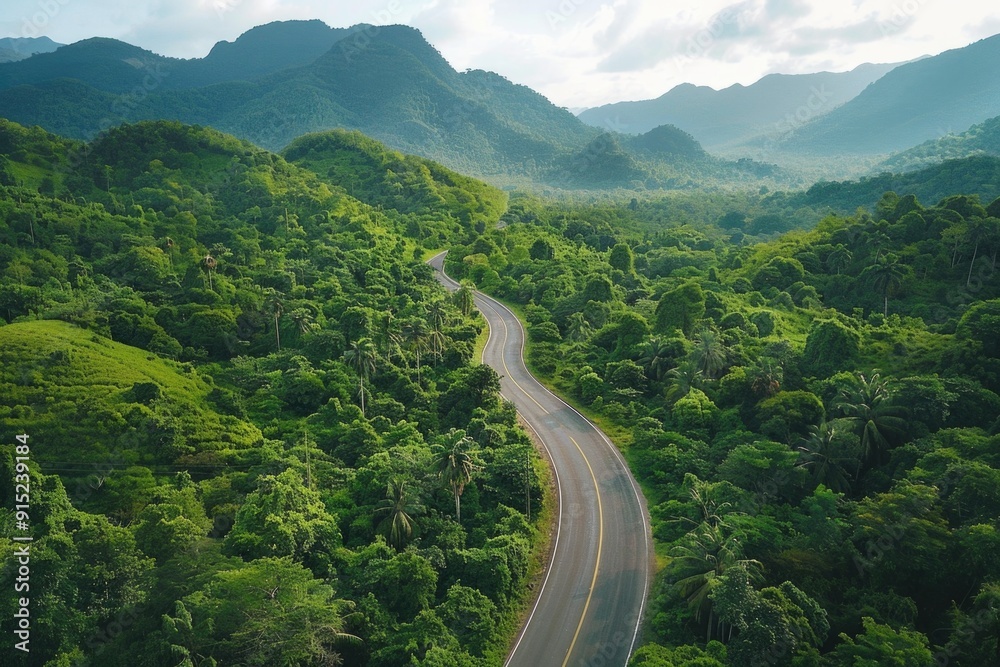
(576,52)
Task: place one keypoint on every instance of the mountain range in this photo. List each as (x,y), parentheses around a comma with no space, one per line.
(913,103)
(731,116)
(873,110)
(284,80)
(13,49)
(281,81)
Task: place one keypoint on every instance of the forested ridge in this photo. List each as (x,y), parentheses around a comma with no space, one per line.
(814,416)
(257,432)
(260,436)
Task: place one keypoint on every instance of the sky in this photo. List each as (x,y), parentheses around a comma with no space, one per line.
(578,53)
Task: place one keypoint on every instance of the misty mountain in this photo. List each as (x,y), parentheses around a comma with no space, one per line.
(302,77)
(113,66)
(13,49)
(281,81)
(913,103)
(722,118)
(982,139)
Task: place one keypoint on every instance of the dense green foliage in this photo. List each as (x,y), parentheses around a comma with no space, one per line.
(975,175)
(981,139)
(815,419)
(384,81)
(257,434)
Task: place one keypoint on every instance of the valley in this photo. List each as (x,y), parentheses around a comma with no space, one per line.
(713,382)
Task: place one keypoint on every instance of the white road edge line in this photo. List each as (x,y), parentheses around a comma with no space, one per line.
(618,455)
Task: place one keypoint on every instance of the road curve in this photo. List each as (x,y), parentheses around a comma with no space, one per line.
(590,606)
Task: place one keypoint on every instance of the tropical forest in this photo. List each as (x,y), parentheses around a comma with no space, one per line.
(246,421)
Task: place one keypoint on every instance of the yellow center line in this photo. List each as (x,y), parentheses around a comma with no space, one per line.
(503,362)
(600,545)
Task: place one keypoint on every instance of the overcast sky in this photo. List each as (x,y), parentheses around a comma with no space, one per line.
(578,53)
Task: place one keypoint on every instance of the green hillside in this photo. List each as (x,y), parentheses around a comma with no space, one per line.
(981,139)
(913,103)
(88,398)
(281,81)
(978,175)
(813,417)
(234,374)
(404,183)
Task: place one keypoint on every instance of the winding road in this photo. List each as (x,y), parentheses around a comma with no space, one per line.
(590,606)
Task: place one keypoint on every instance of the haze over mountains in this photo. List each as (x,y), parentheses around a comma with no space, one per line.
(13,49)
(728,117)
(911,104)
(280,81)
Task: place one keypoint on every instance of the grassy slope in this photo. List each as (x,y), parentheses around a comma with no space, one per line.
(95,412)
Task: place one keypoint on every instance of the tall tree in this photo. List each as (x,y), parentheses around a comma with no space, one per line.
(399,509)
(657,357)
(416,335)
(839,258)
(698,562)
(869,406)
(464,300)
(709,354)
(885,277)
(455,463)
(362,357)
(822,455)
(275,306)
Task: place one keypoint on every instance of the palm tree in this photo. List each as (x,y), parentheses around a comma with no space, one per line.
(390,337)
(819,453)
(869,406)
(464,300)
(766,376)
(416,335)
(709,353)
(276,307)
(209,263)
(399,510)
(682,379)
(976,231)
(437,317)
(885,277)
(455,464)
(839,258)
(168,246)
(655,358)
(880,240)
(701,559)
(303,319)
(361,357)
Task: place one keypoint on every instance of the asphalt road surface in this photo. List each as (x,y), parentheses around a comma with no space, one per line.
(591,602)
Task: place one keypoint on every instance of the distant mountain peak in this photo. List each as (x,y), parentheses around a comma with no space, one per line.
(275,30)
